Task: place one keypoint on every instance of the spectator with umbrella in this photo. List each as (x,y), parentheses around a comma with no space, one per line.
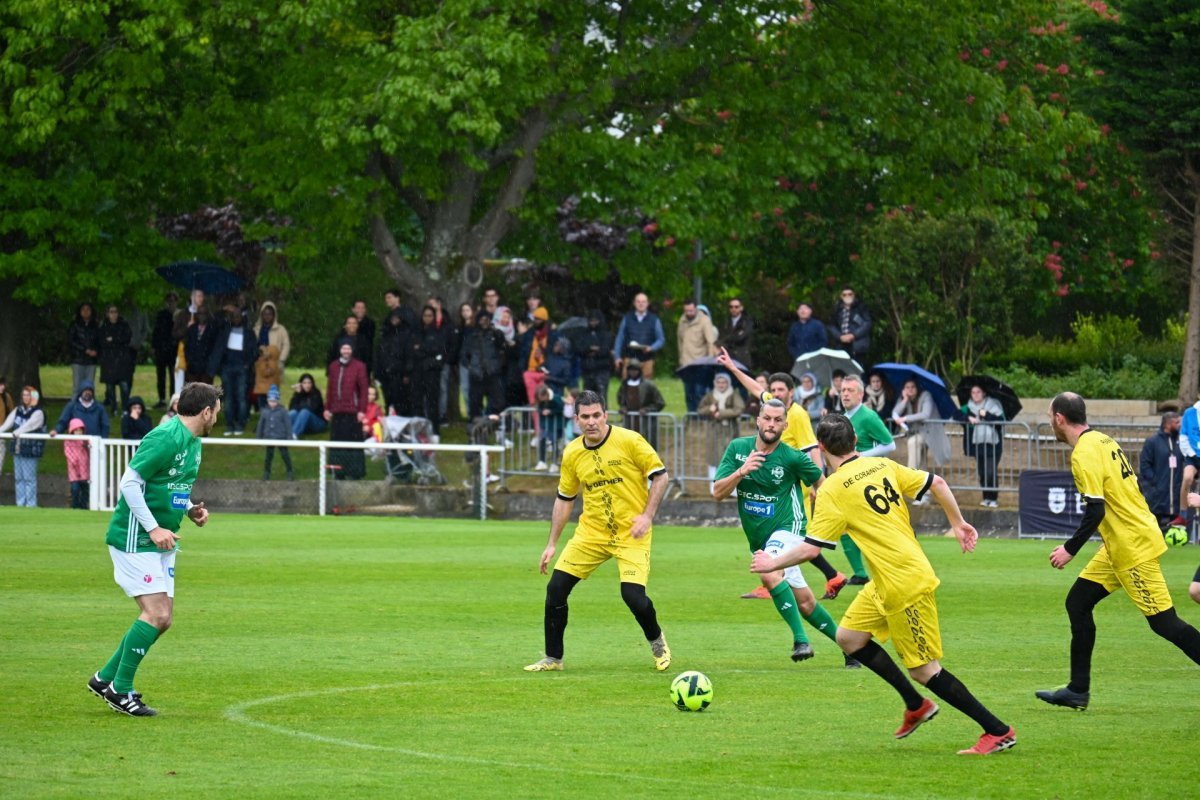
(811,397)
(913,410)
(986,440)
(164,346)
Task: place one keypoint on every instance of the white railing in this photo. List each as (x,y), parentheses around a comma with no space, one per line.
(109,457)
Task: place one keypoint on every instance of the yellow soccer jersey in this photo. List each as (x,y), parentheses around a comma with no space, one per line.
(863,498)
(1102,472)
(613,475)
(799,433)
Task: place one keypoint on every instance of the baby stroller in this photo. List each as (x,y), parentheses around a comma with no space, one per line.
(410,466)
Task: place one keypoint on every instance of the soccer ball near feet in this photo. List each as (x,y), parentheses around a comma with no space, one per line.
(691,691)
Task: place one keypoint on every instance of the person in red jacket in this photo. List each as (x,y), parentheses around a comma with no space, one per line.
(345,410)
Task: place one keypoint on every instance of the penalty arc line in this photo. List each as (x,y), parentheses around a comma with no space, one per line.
(238,713)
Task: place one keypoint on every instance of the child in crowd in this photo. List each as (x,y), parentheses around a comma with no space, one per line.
(79,464)
(570,426)
(274,423)
(172,410)
(135,422)
(550,411)
(373,420)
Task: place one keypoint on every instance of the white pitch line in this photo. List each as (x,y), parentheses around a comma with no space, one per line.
(237,713)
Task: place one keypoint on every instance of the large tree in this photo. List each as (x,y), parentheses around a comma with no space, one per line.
(1150,55)
(86,155)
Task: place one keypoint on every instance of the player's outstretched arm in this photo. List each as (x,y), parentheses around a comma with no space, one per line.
(965,532)
(642,522)
(750,385)
(558,521)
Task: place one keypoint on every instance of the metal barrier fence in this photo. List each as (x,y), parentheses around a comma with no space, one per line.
(692,445)
(530,452)
(390,461)
(689,447)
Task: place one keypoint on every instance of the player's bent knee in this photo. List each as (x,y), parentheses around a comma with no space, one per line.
(805,600)
(559,587)
(634,595)
(1167,624)
(1194,591)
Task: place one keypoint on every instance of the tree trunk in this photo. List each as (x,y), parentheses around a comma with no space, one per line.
(1189,374)
(18,341)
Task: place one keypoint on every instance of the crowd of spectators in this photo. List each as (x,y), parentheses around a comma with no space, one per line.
(415,361)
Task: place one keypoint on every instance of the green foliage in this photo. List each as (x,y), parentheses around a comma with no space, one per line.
(948,286)
(1132,379)
(1105,342)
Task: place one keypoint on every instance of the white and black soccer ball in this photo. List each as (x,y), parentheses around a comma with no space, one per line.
(691,691)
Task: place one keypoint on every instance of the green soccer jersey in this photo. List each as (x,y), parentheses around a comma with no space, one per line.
(770,498)
(869,428)
(168,460)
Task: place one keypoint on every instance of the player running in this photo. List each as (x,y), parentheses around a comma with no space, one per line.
(1128,557)
(612,466)
(862,496)
(798,435)
(769,476)
(143,537)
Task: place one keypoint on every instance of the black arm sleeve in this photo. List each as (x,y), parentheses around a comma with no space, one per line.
(1093,515)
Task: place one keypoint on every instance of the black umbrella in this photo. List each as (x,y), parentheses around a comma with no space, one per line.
(995,388)
(209,278)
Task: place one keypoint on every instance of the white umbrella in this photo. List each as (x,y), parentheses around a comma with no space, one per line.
(823,362)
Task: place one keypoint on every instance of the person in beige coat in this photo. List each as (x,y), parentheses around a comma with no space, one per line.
(696,336)
(274,347)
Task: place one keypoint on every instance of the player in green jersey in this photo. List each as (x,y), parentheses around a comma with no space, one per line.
(769,477)
(143,537)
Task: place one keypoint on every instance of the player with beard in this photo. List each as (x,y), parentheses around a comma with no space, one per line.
(143,537)
(769,477)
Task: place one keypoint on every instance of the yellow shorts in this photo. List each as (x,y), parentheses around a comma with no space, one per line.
(581,558)
(914,629)
(1143,583)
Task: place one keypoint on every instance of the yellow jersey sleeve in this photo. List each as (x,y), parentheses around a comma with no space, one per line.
(568,476)
(828,522)
(913,482)
(799,433)
(646,457)
(1088,468)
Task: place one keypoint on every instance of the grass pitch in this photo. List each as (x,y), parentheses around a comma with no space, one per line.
(382,658)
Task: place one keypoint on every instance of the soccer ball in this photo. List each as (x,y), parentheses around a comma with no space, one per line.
(1176,535)
(691,691)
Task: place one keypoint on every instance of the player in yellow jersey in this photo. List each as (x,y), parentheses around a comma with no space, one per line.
(623,481)
(863,497)
(1128,557)
(799,436)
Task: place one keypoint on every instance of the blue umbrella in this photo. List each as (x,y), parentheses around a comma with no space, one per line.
(898,374)
(210,278)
